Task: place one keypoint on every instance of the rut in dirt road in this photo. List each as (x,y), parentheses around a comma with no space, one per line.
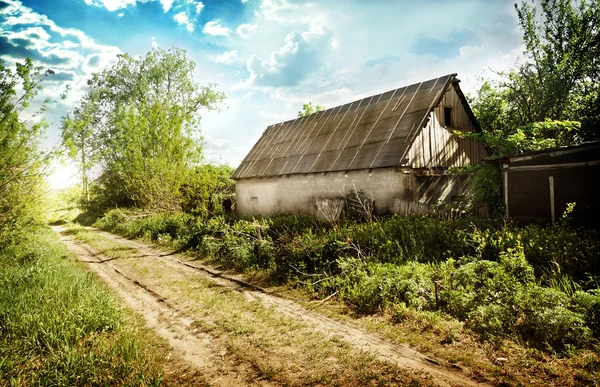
(198,346)
(194,347)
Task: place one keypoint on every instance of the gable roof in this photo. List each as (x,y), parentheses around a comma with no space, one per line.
(372,132)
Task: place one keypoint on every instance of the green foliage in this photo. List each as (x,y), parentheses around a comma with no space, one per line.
(141,118)
(21,161)
(309,108)
(560,80)
(486,183)
(369,287)
(208,190)
(59,326)
(539,103)
(502,281)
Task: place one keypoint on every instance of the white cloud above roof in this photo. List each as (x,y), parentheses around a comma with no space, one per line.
(199,7)
(214,28)
(246,30)
(227,57)
(167,4)
(111,5)
(183,18)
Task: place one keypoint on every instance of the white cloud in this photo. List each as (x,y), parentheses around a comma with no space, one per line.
(121,14)
(154,42)
(166,4)
(111,5)
(227,57)
(71,53)
(244,1)
(246,30)
(214,28)
(184,19)
(301,55)
(199,7)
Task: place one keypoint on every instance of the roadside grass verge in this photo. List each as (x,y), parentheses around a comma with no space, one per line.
(60,326)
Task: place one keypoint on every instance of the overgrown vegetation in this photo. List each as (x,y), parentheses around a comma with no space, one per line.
(551,98)
(539,285)
(59,326)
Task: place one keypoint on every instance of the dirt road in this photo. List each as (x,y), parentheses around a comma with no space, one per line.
(238,334)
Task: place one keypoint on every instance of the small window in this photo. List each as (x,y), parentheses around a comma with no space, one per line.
(447,116)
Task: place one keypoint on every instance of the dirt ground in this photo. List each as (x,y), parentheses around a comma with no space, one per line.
(237,334)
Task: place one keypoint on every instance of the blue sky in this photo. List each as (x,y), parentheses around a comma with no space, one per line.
(268,56)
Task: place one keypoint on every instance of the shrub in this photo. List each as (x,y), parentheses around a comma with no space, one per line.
(369,286)
(548,323)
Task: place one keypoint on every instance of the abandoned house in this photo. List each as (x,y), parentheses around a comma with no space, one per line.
(394,148)
(539,186)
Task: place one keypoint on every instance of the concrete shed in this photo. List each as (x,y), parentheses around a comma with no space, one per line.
(394,148)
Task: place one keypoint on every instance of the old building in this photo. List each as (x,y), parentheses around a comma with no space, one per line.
(393,147)
(539,186)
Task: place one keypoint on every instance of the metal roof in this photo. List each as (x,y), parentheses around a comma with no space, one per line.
(373,132)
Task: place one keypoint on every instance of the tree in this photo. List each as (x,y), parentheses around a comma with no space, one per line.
(308,109)
(558,82)
(77,135)
(561,78)
(552,99)
(206,189)
(21,161)
(143,124)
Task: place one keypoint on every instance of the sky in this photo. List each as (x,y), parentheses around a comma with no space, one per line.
(268,56)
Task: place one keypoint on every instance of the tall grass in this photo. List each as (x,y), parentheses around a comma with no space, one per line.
(59,326)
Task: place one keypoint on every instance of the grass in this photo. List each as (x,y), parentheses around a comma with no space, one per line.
(59,326)
(274,347)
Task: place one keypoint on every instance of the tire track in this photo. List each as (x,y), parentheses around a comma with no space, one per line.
(382,348)
(196,348)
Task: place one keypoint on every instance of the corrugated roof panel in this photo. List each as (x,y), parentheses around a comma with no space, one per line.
(368,133)
(303,166)
(257,168)
(325,160)
(275,166)
(336,140)
(389,153)
(388,94)
(342,162)
(318,143)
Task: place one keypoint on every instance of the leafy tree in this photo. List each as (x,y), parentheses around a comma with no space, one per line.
(559,81)
(21,162)
(308,109)
(561,78)
(550,100)
(143,124)
(207,189)
(77,133)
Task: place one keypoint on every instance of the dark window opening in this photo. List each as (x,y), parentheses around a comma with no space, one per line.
(448,116)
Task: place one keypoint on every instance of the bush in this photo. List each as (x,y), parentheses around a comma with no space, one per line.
(547,322)
(370,286)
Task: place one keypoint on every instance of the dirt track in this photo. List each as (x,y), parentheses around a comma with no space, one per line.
(172,317)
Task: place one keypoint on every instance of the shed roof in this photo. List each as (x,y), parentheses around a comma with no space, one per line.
(372,132)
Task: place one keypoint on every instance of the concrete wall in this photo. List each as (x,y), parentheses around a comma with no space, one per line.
(298,193)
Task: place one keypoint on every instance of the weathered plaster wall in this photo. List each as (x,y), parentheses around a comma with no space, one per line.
(297,193)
